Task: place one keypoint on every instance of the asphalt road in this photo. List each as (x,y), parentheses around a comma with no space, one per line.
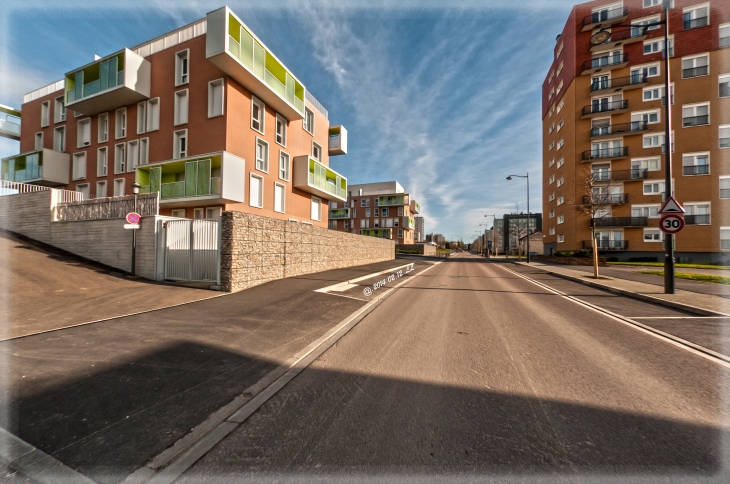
(469,373)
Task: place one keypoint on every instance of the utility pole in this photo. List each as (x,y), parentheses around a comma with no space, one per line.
(668,238)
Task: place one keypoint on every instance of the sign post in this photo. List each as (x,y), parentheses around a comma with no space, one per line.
(672,222)
(133,219)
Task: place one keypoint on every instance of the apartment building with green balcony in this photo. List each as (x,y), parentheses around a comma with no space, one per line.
(381,209)
(206,115)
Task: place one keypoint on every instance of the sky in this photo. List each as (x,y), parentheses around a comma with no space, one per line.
(444,97)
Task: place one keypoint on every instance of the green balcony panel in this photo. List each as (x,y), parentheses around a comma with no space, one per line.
(172,190)
(339,213)
(314,177)
(380,233)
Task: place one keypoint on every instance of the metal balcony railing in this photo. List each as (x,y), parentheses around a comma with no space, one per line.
(618,152)
(725,90)
(604,107)
(696,121)
(620,175)
(695,72)
(617,82)
(605,15)
(697,219)
(606,199)
(607,244)
(619,129)
(620,222)
(724,42)
(605,61)
(695,23)
(724,193)
(696,170)
(724,142)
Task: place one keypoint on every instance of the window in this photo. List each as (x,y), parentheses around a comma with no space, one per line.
(180,144)
(724,136)
(560,68)
(560,106)
(101,162)
(638,165)
(153,114)
(198,213)
(316,212)
(119,187)
(180,213)
(559,88)
(552,230)
(654,46)
(550,78)
(561,181)
(697,213)
(283,166)
(181,67)
(316,151)
(651,211)
(120,157)
(724,82)
(637,26)
(45,111)
(101,189)
(724,36)
(83,133)
(695,17)
(645,71)
(725,187)
(552,93)
(561,238)
(695,115)
(347,224)
(696,164)
(59,138)
(651,3)
(79,166)
(724,238)
(144,151)
(256,191)
(656,93)
(120,123)
(59,110)
(400,233)
(132,155)
(551,179)
(262,155)
(308,122)
(367,202)
(280,198)
(552,213)
(695,66)
(653,235)
(561,219)
(141,117)
(561,124)
(561,162)
(377,212)
(551,162)
(561,200)
(281,125)
(653,188)
(258,110)
(362,202)
(384,212)
(551,197)
(213,212)
(103,135)
(215,98)
(552,110)
(551,128)
(561,143)
(551,145)
(647,117)
(83,188)
(367,212)
(653,141)
(560,50)
(181,107)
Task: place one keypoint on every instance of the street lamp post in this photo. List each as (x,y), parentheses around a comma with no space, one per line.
(135,191)
(527,178)
(488,252)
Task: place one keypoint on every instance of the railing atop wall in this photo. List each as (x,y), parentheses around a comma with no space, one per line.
(107,208)
(8,187)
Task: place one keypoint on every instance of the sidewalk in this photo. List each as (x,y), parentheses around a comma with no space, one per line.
(695,302)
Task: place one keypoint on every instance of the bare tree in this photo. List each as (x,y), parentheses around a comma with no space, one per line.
(596,199)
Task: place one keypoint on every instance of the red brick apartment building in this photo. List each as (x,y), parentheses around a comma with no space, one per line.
(603,120)
(377,210)
(205,115)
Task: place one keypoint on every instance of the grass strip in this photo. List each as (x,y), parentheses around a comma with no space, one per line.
(661,264)
(693,277)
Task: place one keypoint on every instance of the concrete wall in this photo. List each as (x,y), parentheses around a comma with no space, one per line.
(258,249)
(424,249)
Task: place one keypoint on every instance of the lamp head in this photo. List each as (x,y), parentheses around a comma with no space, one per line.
(135,187)
(600,37)
(509,177)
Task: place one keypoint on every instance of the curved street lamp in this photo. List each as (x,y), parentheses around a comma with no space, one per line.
(527,177)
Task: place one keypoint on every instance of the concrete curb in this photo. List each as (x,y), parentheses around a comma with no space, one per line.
(643,297)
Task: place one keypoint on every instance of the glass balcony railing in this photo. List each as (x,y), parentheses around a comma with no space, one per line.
(391,200)
(381,233)
(97,77)
(23,168)
(409,223)
(9,123)
(339,213)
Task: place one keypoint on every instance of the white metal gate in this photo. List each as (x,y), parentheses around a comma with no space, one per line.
(192,250)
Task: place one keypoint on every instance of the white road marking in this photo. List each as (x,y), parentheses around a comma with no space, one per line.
(344,286)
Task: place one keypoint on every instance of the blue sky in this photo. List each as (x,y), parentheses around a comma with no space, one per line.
(446,100)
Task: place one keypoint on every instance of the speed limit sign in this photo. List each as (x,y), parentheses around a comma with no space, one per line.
(671,224)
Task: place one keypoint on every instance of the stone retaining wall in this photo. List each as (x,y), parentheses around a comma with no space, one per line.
(571,261)
(256,249)
(424,249)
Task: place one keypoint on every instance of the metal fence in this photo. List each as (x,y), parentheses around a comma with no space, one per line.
(192,250)
(107,208)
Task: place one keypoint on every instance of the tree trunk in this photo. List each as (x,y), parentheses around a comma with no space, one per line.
(595,253)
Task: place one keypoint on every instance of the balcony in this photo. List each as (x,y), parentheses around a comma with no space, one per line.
(604,18)
(697,219)
(695,121)
(692,170)
(620,222)
(313,177)
(211,179)
(617,84)
(415,207)
(9,123)
(339,213)
(605,64)
(606,199)
(695,23)
(607,244)
(408,223)
(600,109)
(44,167)
(380,233)
(624,129)
(234,49)
(620,175)
(114,81)
(337,141)
(605,154)
(619,39)
(391,200)
(695,72)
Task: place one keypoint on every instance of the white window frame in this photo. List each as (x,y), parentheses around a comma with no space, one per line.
(696,105)
(551,213)
(117,169)
(102,169)
(552,231)
(561,162)
(62,130)
(316,147)
(45,114)
(694,156)
(660,185)
(141,117)
(265,162)
(212,111)
(561,200)
(551,162)
(551,197)
(318,201)
(38,140)
(176,137)
(653,231)
(727,178)
(79,131)
(652,3)
(176,212)
(649,111)
(649,206)
(119,182)
(260,202)
(561,238)
(561,143)
(132,155)
(59,114)
(551,180)
(144,151)
(647,66)
(727,231)
(692,57)
(103,128)
(560,106)
(722,78)
(561,219)
(284,168)
(561,181)
(182,100)
(153,115)
(719,137)
(692,8)
(180,77)
(262,110)
(280,137)
(77,159)
(80,188)
(278,185)
(120,123)
(306,125)
(99,184)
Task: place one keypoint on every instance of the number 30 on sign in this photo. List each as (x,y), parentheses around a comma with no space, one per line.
(671,224)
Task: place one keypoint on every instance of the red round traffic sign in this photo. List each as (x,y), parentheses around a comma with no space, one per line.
(133,218)
(671,224)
